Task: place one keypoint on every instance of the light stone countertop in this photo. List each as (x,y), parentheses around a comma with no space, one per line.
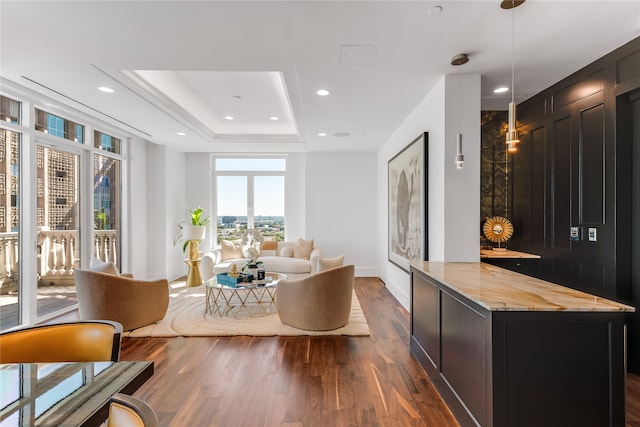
(498,289)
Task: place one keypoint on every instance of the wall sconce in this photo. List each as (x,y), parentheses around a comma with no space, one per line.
(459,157)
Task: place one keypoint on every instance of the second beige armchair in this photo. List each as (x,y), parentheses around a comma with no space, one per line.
(133,303)
(319,302)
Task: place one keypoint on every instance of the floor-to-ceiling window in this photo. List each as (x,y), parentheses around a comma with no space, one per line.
(10,145)
(106,197)
(60,185)
(250,194)
(59,227)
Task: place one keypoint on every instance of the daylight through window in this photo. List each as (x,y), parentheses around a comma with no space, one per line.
(250,194)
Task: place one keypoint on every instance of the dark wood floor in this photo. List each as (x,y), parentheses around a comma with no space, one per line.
(301,381)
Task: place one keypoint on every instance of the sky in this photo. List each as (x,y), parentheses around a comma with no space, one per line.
(268,190)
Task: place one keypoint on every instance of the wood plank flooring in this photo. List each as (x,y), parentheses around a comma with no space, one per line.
(301,381)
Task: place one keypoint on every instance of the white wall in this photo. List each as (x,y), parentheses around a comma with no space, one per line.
(341,207)
(135,238)
(462,186)
(198,190)
(157,203)
(451,107)
(295,197)
(175,207)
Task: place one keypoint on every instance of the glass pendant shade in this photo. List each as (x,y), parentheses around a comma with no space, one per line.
(512,134)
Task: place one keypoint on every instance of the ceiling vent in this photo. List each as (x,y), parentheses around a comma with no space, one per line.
(357,53)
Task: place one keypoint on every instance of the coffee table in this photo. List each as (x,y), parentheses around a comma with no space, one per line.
(247,299)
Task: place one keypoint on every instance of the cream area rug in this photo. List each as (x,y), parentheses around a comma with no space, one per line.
(186,317)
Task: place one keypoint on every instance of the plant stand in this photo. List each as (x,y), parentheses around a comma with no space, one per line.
(194,278)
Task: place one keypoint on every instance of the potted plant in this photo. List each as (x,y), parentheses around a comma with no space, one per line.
(251,240)
(191,231)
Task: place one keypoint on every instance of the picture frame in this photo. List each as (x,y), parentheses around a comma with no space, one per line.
(407,204)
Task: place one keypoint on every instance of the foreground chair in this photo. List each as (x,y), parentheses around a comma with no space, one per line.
(320,302)
(131,302)
(84,341)
(128,411)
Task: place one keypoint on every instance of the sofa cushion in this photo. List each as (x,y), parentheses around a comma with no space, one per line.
(328,263)
(303,249)
(269,245)
(268,248)
(231,249)
(286,265)
(103,267)
(286,252)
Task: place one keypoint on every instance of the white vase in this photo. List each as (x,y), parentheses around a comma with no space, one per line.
(193,232)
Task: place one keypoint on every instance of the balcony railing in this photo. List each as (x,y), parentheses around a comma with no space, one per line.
(57,256)
(8,262)
(58,253)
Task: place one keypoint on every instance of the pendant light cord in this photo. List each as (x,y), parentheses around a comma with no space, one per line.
(513,50)
(513,86)
(506,184)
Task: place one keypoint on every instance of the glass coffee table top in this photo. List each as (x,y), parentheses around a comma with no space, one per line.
(245,300)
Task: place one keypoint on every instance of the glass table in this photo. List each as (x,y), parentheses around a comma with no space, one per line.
(65,394)
(245,300)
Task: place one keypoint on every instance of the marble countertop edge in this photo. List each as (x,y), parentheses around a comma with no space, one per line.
(498,289)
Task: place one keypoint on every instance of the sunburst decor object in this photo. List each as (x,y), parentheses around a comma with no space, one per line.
(498,229)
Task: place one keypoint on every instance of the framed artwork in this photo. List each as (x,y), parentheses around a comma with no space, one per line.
(408,204)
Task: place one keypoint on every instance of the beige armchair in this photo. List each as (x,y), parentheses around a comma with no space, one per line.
(319,302)
(133,303)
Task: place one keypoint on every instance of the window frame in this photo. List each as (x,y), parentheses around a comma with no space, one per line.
(30,139)
(250,174)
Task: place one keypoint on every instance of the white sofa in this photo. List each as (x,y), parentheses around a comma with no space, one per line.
(276,257)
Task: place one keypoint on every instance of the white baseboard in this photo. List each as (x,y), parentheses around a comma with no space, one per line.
(366,272)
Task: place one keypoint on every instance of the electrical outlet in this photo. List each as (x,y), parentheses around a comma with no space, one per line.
(593,234)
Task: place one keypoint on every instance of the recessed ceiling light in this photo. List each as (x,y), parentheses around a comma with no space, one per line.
(501,89)
(228,117)
(322,134)
(341,134)
(181,133)
(274,118)
(105,89)
(323,92)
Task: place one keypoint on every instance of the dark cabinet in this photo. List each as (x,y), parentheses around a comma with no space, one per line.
(506,368)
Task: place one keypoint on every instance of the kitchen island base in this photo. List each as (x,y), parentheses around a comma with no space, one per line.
(534,367)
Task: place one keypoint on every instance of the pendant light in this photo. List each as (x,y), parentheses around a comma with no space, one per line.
(512,134)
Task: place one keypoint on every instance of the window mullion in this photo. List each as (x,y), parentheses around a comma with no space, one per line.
(250,201)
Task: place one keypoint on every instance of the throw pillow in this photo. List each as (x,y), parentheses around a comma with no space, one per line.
(103,267)
(287,252)
(268,248)
(328,263)
(269,245)
(303,249)
(231,249)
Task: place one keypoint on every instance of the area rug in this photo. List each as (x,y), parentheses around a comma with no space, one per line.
(186,317)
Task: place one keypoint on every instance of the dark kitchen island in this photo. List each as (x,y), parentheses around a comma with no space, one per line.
(505,349)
